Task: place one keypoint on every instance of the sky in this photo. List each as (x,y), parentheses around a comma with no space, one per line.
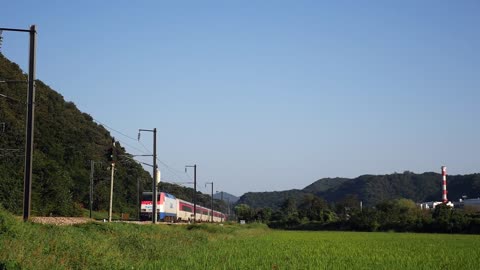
(267,95)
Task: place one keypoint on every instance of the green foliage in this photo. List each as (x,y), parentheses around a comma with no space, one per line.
(263,215)
(401,215)
(210,246)
(244,212)
(372,189)
(273,200)
(65,141)
(446,219)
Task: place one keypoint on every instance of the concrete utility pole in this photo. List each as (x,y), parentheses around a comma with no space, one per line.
(194,190)
(111,194)
(27,187)
(112,157)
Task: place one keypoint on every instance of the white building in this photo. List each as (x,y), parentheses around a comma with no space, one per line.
(470,203)
(432,205)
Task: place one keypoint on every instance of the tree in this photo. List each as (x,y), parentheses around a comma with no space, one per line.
(66,140)
(314,208)
(366,220)
(264,214)
(347,206)
(244,212)
(446,219)
(290,212)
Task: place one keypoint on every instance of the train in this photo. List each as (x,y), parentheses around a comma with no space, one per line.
(172,209)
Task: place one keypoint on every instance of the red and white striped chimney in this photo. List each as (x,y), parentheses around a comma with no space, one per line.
(444,185)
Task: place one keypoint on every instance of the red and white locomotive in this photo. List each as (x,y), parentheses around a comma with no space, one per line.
(172,209)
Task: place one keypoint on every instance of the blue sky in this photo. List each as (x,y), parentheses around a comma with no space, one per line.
(268,95)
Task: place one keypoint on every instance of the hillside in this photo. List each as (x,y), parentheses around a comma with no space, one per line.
(65,142)
(270,199)
(227,197)
(324,184)
(372,189)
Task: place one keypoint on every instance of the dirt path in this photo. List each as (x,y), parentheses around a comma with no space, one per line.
(61,220)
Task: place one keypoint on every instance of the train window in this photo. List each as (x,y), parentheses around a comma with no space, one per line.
(187,208)
(146,196)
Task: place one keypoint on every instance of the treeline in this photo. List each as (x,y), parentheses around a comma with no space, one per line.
(374,189)
(400,215)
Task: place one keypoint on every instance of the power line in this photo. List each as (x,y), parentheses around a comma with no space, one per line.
(177,173)
(174,171)
(148,151)
(119,132)
(123,134)
(133,147)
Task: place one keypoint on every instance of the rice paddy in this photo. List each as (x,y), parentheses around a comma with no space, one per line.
(211,246)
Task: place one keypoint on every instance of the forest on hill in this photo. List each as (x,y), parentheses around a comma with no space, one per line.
(65,141)
(373,189)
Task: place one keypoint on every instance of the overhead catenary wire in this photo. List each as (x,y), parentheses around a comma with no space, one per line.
(133,147)
(119,132)
(174,172)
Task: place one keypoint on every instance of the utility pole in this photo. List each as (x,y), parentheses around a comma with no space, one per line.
(138,198)
(221,198)
(111,194)
(112,157)
(92,168)
(211,183)
(155,180)
(27,187)
(194,190)
(27,190)
(228,207)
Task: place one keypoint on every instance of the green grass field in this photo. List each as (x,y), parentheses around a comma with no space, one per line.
(132,246)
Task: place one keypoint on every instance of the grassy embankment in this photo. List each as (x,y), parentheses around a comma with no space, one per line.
(132,246)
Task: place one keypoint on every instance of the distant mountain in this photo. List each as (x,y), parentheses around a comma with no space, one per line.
(227,197)
(270,199)
(324,184)
(372,189)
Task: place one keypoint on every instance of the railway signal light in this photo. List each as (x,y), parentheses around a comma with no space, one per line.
(112,152)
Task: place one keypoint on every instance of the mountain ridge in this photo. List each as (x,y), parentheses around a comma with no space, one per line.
(372,189)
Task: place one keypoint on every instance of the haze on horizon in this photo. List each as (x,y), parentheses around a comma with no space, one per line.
(273,95)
